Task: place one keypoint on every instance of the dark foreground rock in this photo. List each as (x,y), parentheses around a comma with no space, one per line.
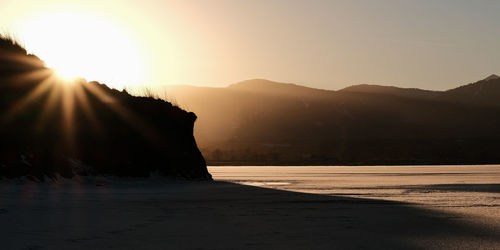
(51,126)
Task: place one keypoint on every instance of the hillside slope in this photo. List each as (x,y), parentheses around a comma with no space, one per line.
(482,93)
(50,126)
(253,123)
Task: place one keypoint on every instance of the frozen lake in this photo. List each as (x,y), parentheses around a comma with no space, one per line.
(468,189)
(420,207)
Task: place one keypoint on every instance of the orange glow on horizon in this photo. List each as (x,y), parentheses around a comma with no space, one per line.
(83,44)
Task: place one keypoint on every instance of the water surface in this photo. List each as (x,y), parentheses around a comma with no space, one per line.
(470,189)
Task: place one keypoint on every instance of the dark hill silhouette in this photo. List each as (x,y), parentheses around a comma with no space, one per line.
(491,77)
(484,93)
(244,124)
(50,126)
(391,90)
(262,86)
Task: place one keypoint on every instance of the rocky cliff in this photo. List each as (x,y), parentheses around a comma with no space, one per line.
(52,127)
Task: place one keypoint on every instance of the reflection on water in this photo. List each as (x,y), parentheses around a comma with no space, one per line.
(470,189)
(264,183)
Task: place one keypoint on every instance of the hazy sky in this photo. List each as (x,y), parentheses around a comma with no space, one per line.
(432,44)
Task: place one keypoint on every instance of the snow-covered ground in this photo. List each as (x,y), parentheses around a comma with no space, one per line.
(260,208)
(468,189)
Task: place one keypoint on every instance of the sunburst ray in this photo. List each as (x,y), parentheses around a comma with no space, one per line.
(33,95)
(126,114)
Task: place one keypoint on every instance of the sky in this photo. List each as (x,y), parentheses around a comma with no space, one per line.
(429,44)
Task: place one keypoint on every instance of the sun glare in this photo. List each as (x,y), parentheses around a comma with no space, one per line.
(66,73)
(87,45)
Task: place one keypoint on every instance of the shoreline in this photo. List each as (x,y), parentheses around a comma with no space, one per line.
(215,215)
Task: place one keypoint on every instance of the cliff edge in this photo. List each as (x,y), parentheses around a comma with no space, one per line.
(50,126)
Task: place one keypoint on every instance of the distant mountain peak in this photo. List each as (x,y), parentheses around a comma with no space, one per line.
(257,82)
(390,90)
(491,77)
(262,85)
(276,88)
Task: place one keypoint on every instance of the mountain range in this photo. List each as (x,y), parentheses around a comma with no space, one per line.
(261,122)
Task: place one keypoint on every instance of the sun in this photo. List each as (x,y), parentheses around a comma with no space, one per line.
(83,44)
(66,73)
